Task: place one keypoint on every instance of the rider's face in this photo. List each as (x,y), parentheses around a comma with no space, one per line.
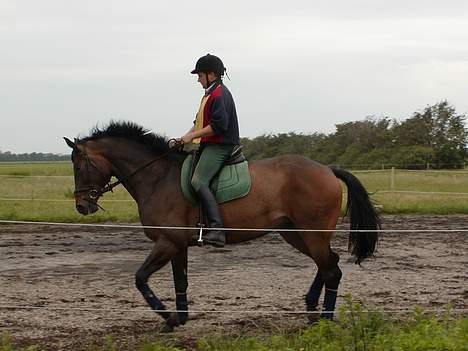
(202,79)
(206,79)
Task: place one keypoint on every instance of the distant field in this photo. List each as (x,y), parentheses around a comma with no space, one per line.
(51,186)
(438,192)
(44,191)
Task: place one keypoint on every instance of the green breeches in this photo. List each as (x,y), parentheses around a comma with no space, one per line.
(211,160)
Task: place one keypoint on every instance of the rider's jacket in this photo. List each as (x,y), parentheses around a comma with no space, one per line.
(217,109)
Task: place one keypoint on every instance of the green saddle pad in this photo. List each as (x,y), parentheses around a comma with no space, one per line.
(232,182)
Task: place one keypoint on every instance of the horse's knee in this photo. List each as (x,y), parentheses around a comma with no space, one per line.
(140,280)
(332,277)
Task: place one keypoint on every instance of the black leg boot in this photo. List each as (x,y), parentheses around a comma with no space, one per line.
(213,237)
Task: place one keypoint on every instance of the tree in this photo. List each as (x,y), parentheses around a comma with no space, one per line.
(440,128)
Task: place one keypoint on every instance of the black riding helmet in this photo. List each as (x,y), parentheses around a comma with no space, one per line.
(209,63)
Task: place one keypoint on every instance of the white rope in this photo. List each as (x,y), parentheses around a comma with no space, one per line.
(148,310)
(236,229)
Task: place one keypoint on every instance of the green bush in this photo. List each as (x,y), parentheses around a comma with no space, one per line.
(357,328)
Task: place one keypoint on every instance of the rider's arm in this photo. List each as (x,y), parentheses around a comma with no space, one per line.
(200,133)
(219,120)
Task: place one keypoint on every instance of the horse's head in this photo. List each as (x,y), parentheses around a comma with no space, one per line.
(92,172)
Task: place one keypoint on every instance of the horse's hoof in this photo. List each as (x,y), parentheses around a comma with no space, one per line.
(167,328)
(182,317)
(313,319)
(173,320)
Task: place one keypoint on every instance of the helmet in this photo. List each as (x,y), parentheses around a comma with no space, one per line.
(209,63)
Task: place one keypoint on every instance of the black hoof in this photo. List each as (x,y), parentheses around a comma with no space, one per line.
(167,328)
(313,318)
(173,320)
(183,317)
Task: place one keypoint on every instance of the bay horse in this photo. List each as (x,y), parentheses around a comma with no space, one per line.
(287,192)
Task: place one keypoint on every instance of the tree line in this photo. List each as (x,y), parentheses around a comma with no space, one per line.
(435,137)
(34,156)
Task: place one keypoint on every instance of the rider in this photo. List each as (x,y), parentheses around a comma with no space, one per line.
(216,130)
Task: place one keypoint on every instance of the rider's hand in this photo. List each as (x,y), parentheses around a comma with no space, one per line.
(187,138)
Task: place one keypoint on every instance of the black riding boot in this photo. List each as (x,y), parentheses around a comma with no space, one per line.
(210,206)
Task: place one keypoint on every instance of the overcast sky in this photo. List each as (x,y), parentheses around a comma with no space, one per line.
(301,66)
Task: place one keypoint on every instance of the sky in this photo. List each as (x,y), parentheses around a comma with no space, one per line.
(302,66)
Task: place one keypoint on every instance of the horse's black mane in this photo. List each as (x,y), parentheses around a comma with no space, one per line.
(132,131)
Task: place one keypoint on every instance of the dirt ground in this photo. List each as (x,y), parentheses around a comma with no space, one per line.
(80,281)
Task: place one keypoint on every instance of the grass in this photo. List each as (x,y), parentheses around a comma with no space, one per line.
(432,183)
(53,181)
(49,189)
(357,328)
(58,168)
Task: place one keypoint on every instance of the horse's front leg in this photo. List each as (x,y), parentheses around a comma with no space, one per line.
(158,258)
(179,271)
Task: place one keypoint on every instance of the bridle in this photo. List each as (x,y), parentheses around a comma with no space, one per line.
(96,191)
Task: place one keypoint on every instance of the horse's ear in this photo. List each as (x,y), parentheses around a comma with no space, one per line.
(71,144)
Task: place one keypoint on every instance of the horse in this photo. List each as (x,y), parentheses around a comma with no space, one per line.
(287,192)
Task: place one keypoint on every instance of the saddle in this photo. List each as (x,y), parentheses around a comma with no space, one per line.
(232,181)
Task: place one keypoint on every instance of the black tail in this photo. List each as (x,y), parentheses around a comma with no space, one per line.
(363,216)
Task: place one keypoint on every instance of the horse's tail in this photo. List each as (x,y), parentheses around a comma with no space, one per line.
(362,216)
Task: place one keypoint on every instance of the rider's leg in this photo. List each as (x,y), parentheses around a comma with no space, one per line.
(211,160)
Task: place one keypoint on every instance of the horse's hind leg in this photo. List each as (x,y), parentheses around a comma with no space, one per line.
(332,276)
(313,295)
(316,245)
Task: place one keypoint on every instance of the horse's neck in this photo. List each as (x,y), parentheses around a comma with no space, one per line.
(139,183)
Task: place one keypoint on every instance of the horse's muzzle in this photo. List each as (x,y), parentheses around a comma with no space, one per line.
(86,207)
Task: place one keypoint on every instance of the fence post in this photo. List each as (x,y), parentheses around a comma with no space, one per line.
(392,179)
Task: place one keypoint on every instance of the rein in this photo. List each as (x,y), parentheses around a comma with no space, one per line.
(94,192)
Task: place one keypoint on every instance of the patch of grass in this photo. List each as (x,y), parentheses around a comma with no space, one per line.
(62,168)
(6,344)
(64,211)
(356,329)
(19,173)
(69,194)
(399,203)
